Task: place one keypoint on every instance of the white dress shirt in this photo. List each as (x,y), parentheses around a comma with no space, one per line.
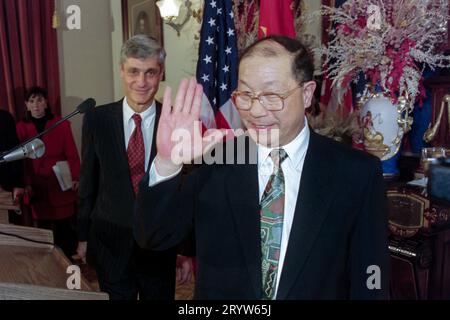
(147,126)
(292,170)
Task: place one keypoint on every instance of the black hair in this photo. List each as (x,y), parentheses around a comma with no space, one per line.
(303,63)
(37,91)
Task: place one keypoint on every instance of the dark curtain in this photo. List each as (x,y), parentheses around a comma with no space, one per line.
(28,53)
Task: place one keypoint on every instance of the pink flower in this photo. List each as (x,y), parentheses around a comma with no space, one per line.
(344,28)
(361,22)
(347,79)
(374,76)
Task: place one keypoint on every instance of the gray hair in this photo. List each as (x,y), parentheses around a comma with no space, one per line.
(142,47)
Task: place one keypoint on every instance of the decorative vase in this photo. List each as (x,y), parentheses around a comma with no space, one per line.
(383,124)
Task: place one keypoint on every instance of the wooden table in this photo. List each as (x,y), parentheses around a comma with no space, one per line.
(36,270)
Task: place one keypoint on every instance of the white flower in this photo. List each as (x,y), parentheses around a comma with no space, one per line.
(409,33)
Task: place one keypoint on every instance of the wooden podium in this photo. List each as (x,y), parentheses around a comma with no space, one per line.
(31,267)
(6,203)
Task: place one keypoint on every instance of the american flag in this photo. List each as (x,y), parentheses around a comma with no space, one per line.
(217,65)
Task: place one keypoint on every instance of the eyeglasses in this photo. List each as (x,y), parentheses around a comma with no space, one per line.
(271,101)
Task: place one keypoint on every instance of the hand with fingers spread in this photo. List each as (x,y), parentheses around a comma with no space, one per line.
(179,137)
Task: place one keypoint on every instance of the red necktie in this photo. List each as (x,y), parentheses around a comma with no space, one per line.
(136,154)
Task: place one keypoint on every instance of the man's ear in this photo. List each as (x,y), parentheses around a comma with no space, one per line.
(308,93)
(161,75)
(122,71)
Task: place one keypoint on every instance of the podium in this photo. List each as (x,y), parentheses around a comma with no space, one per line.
(32,268)
(6,203)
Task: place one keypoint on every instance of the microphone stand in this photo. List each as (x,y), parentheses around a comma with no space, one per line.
(78,110)
(46,130)
(30,150)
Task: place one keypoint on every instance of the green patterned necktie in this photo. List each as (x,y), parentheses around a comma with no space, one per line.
(272,213)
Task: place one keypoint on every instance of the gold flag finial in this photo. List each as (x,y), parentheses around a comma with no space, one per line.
(264,30)
(56,22)
(432,130)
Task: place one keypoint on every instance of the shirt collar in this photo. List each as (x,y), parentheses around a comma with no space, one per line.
(296,149)
(128,112)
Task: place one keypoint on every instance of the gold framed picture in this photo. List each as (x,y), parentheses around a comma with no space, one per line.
(142,17)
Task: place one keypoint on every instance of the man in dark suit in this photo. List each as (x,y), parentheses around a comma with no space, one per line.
(303,217)
(11,174)
(118,144)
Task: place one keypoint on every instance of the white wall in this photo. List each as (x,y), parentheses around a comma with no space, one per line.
(116,44)
(85,57)
(313,29)
(182,51)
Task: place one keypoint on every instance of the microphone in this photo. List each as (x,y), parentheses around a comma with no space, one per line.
(33,150)
(84,107)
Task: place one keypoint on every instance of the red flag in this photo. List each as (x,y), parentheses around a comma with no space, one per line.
(276,18)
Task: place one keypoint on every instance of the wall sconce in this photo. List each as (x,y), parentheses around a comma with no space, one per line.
(170,9)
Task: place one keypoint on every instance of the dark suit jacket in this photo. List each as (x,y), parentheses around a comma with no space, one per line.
(339,228)
(106,199)
(11,174)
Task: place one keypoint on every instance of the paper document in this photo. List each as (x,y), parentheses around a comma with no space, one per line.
(419,182)
(62,172)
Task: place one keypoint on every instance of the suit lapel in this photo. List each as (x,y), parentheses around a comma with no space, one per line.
(119,134)
(243,195)
(118,151)
(311,210)
(155,130)
(153,150)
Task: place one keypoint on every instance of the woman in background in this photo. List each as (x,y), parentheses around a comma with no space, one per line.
(52,208)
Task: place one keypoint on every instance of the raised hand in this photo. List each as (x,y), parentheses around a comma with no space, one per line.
(81,252)
(179,137)
(184,269)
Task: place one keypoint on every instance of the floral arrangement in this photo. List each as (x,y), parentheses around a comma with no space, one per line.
(246,17)
(335,125)
(386,40)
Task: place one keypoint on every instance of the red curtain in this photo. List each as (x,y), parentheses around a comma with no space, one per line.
(28,53)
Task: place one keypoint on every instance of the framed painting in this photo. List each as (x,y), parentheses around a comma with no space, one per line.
(142,17)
